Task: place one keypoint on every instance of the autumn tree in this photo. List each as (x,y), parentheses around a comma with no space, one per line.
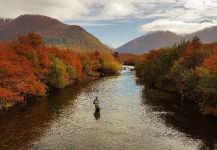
(28,68)
(17,78)
(188,69)
(194,53)
(57,76)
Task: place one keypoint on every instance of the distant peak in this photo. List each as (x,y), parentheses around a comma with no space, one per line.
(41,19)
(163,31)
(36,18)
(160,32)
(32,15)
(206,21)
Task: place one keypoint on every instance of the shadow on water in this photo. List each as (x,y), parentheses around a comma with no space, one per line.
(20,126)
(184,118)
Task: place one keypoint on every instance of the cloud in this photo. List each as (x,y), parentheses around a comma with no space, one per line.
(183,16)
(60,9)
(81,9)
(166,14)
(176,26)
(89,24)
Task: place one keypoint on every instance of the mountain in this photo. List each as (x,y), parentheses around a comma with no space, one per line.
(152,40)
(127,58)
(4,21)
(160,39)
(53,32)
(207,35)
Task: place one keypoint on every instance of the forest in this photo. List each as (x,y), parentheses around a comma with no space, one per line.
(188,69)
(30,69)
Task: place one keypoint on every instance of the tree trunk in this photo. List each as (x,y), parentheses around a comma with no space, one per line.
(182,94)
(206,97)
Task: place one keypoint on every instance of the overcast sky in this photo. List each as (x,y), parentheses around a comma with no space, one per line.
(116,22)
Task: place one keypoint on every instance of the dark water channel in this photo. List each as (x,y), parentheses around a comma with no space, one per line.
(131,117)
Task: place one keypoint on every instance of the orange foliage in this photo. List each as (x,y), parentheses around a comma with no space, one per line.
(68,57)
(26,62)
(126,58)
(194,53)
(17,78)
(211,63)
(8,95)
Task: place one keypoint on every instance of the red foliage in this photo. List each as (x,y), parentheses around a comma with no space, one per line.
(194,53)
(211,63)
(69,57)
(26,62)
(17,78)
(8,95)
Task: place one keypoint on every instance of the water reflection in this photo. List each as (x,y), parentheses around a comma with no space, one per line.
(21,126)
(133,118)
(97,114)
(184,118)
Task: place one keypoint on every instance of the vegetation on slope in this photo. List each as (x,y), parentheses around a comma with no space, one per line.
(189,69)
(126,58)
(29,68)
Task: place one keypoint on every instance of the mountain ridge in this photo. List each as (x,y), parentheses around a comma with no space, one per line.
(161,39)
(53,31)
(148,42)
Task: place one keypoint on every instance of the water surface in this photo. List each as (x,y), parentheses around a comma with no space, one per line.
(131,117)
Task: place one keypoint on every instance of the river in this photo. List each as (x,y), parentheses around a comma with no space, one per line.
(130,118)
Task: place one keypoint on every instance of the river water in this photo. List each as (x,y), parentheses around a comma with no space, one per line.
(131,117)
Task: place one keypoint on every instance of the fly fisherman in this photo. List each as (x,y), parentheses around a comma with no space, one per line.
(96,103)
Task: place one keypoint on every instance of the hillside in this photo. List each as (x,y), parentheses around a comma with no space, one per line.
(53,32)
(188,69)
(4,21)
(162,39)
(30,69)
(127,58)
(150,41)
(207,35)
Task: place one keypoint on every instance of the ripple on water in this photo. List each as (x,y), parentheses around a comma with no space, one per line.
(68,121)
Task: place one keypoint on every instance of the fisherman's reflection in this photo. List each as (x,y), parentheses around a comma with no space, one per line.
(97,114)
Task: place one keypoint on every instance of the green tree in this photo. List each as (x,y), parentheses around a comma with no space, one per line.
(57,76)
(207,83)
(71,72)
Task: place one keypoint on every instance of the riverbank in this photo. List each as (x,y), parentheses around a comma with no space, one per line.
(187,69)
(130,118)
(30,69)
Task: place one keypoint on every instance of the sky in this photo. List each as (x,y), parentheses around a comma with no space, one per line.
(116,22)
